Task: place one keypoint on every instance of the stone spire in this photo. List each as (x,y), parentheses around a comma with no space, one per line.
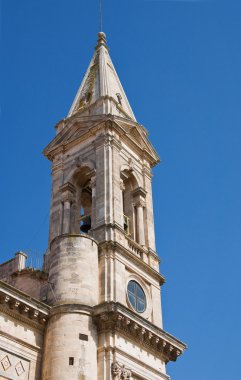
(101,91)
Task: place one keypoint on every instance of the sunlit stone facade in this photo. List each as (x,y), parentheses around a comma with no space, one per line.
(94,310)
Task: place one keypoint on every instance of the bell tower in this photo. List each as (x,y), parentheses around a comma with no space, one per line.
(104,279)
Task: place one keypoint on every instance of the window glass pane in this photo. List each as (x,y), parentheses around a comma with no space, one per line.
(131,287)
(140,306)
(140,293)
(132,300)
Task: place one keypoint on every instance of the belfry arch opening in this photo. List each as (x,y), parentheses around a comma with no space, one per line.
(83,219)
(129,184)
(85,209)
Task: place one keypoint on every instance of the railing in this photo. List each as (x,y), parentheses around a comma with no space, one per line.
(135,248)
(34,260)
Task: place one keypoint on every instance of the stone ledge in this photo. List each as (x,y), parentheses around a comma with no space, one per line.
(111,316)
(71,308)
(73,235)
(21,306)
(129,254)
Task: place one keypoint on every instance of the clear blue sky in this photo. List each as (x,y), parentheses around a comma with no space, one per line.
(180,65)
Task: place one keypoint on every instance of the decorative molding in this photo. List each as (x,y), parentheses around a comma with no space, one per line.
(67,187)
(21,306)
(139,192)
(97,122)
(56,238)
(140,203)
(114,317)
(120,372)
(134,254)
(23,311)
(67,191)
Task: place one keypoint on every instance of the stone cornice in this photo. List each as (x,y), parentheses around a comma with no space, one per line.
(67,187)
(63,144)
(120,248)
(71,308)
(72,235)
(149,153)
(139,192)
(111,316)
(22,307)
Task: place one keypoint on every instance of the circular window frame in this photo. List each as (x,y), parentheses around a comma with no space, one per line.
(146,313)
(141,298)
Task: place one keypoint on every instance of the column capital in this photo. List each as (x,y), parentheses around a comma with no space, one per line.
(68,186)
(140,203)
(67,191)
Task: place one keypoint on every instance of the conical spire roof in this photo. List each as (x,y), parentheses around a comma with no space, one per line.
(101,91)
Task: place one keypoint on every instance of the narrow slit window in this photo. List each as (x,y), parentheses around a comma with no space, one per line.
(71,361)
(83,337)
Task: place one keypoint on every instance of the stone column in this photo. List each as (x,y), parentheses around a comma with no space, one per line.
(67,198)
(149,219)
(117,193)
(140,232)
(93,210)
(55,223)
(66,217)
(121,190)
(104,198)
(100,181)
(139,196)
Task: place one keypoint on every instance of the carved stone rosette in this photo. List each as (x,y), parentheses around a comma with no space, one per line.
(120,372)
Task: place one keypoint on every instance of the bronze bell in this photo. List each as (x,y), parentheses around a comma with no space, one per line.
(86,226)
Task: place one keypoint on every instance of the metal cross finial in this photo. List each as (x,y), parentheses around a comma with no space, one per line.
(100,15)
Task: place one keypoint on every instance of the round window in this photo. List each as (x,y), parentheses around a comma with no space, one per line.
(136,296)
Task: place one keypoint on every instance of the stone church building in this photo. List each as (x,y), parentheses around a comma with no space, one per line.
(94,310)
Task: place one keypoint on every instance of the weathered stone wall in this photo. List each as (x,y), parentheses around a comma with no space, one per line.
(32,282)
(73,273)
(70,345)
